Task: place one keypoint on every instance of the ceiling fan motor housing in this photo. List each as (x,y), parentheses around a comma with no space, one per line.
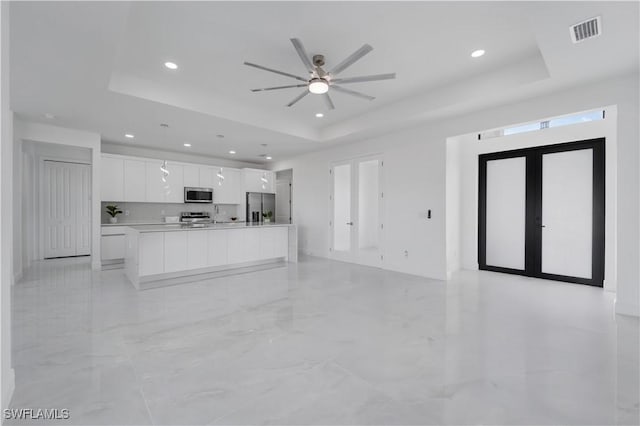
(318,60)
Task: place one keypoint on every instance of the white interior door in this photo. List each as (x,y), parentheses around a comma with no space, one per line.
(357,211)
(283,201)
(567,213)
(66,209)
(341,223)
(506,212)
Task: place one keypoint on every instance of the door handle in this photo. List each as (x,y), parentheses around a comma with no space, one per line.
(350,223)
(542,226)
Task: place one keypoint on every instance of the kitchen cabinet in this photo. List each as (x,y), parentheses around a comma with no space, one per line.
(235,248)
(112,179)
(217,248)
(135,180)
(230,192)
(191,176)
(151,249)
(171,190)
(252,180)
(274,242)
(174,189)
(208,177)
(175,251)
(112,247)
(140,180)
(197,253)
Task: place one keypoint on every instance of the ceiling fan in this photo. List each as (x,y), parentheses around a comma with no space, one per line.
(320,81)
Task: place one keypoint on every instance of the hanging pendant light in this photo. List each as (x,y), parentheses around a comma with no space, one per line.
(165,171)
(220,177)
(264,180)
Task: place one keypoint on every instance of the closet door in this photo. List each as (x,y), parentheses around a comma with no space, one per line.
(66,210)
(541,212)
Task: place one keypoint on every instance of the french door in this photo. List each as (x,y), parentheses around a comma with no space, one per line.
(541,212)
(66,213)
(356,211)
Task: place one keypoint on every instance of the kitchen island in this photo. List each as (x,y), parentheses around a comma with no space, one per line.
(160,255)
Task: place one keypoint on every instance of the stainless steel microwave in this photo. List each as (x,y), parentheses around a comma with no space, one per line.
(198,195)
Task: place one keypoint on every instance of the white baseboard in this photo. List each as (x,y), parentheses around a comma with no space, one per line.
(627,309)
(8,386)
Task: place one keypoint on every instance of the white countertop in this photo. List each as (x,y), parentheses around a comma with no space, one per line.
(158,223)
(168,227)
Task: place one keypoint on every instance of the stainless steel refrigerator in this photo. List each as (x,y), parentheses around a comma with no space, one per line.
(259,204)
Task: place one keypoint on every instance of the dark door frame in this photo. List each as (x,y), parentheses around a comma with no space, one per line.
(533,229)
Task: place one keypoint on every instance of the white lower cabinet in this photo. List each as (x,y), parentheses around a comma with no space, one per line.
(175,251)
(197,253)
(235,247)
(252,244)
(112,247)
(274,242)
(151,253)
(217,244)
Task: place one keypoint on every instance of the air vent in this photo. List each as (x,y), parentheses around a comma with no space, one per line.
(587,29)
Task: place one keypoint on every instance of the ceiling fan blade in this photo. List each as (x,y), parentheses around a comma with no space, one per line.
(278,87)
(352,92)
(327,100)
(297,98)
(303,54)
(364,78)
(276,71)
(351,59)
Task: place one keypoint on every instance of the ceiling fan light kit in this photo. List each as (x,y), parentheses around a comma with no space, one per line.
(320,81)
(318,86)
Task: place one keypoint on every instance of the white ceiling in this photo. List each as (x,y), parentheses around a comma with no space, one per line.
(98,65)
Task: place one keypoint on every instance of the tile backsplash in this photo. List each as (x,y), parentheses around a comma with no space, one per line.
(156,212)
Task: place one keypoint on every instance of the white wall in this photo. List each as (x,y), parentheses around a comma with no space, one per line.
(453,207)
(6,213)
(414,181)
(468,148)
(47,134)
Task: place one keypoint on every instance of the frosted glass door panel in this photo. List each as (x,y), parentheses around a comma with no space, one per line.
(368,205)
(567,210)
(506,210)
(342,208)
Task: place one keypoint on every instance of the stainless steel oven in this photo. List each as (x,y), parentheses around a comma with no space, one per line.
(198,195)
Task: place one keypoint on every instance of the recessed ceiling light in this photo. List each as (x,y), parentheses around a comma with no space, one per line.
(268,158)
(477,53)
(187,145)
(171,65)
(49,116)
(129,135)
(319,115)
(232,152)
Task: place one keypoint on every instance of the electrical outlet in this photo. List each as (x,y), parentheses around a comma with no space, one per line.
(126,212)
(406,254)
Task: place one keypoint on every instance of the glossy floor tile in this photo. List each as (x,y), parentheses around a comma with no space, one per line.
(321,342)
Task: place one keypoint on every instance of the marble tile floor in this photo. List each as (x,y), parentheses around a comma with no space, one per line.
(321,342)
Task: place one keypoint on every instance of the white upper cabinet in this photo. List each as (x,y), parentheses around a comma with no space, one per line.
(191,176)
(169,190)
(135,180)
(112,179)
(174,187)
(207,175)
(140,180)
(230,191)
(253,180)
(155,185)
